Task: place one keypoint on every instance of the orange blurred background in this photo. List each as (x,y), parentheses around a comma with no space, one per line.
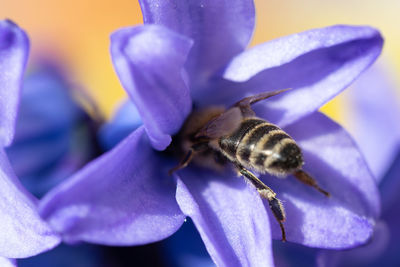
(76,33)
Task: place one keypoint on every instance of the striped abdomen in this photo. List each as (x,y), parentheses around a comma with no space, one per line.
(262,146)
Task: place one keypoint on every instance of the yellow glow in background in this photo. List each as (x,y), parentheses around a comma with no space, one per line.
(76,33)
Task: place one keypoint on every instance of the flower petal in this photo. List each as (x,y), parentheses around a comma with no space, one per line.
(23,233)
(360,256)
(316,64)
(230,217)
(149,62)
(346,218)
(58,113)
(220,30)
(51,124)
(23,154)
(372,97)
(4,262)
(389,187)
(130,200)
(14,49)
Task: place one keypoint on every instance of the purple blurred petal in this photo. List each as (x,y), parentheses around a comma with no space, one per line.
(24,155)
(125,121)
(47,104)
(220,30)
(374,118)
(122,198)
(316,64)
(290,254)
(230,217)
(4,262)
(14,49)
(361,256)
(390,187)
(149,62)
(50,124)
(23,233)
(46,117)
(346,218)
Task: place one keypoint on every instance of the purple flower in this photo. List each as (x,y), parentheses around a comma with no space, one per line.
(23,233)
(193,53)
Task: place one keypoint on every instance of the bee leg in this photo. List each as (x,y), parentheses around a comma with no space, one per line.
(305,178)
(267,193)
(245,103)
(189,156)
(184,162)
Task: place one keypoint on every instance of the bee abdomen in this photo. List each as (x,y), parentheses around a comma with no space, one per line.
(252,138)
(262,144)
(276,153)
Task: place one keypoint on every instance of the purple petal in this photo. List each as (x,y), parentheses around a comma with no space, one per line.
(373,118)
(14,49)
(149,61)
(220,30)
(46,116)
(346,218)
(122,198)
(4,262)
(50,124)
(390,187)
(230,217)
(23,233)
(361,256)
(316,64)
(59,112)
(23,154)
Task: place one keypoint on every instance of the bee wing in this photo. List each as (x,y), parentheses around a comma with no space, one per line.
(245,103)
(222,125)
(230,120)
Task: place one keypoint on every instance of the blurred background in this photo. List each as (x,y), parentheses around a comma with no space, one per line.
(75,35)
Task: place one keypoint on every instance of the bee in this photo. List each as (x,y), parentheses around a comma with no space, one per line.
(215,136)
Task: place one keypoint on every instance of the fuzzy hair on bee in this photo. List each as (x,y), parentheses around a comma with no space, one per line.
(215,136)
